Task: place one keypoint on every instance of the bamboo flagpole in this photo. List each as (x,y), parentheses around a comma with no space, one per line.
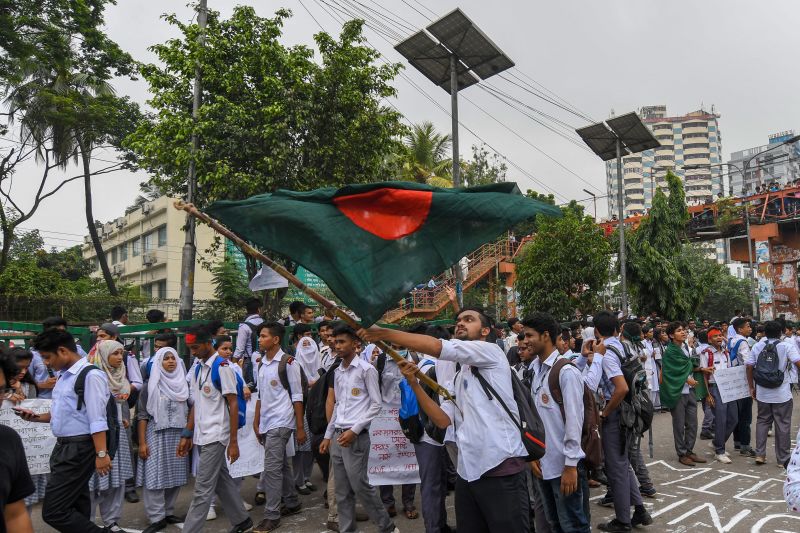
(294,280)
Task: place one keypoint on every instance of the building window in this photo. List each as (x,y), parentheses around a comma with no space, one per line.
(113,256)
(137,247)
(697,125)
(162,236)
(161,289)
(123,251)
(147,242)
(696,156)
(147,290)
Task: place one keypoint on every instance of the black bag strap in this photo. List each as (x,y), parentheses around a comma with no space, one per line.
(80,384)
(490,393)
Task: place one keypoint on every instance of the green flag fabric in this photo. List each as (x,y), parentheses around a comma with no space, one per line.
(675,369)
(373,243)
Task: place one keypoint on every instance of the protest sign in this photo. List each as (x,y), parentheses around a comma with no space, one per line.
(251,453)
(37,438)
(392,459)
(732,383)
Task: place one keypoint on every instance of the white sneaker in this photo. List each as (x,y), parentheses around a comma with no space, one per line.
(769,433)
(247,507)
(396,530)
(212,514)
(723,458)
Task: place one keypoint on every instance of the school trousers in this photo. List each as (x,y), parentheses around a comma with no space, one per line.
(159,503)
(781,414)
(709,417)
(684,424)
(432,462)
(278,478)
(109,503)
(213,477)
(407,491)
(567,514)
(621,479)
(639,467)
(726,415)
(67,503)
(741,435)
(493,504)
(350,477)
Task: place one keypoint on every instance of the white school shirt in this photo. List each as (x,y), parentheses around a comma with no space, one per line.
(65,418)
(592,374)
(611,366)
(277,407)
(445,374)
(743,352)
(485,434)
(327,357)
(358,397)
(718,358)
(787,355)
(563,438)
(427,367)
(211,418)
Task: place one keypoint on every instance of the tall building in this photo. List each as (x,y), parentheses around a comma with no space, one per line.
(143,248)
(781,164)
(690,140)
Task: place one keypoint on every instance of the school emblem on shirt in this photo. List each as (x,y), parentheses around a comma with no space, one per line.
(356,391)
(207,389)
(545,398)
(274,382)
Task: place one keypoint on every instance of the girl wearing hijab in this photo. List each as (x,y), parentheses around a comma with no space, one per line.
(306,352)
(108,492)
(162,413)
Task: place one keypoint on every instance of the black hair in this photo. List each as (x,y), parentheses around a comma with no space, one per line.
(437,332)
(702,336)
(52,339)
(117,312)
(646,330)
(486,320)
(324,324)
(299,330)
(21,354)
(54,322)
(521,336)
(275,329)
(631,329)
(739,323)
(772,329)
(566,334)
(673,327)
(252,305)
(296,307)
(606,323)
(344,329)
(543,323)
(420,328)
(169,337)
(512,321)
(8,365)
(214,325)
(759,328)
(219,339)
(155,316)
(202,332)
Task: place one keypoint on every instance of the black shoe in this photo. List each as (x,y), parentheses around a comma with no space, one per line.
(289,511)
(649,493)
(260,498)
(303,490)
(267,525)
(606,501)
(131,496)
(600,477)
(158,526)
(114,528)
(172,519)
(310,486)
(706,435)
(244,527)
(615,526)
(641,518)
(747,452)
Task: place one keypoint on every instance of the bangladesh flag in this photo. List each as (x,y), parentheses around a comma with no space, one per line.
(373,243)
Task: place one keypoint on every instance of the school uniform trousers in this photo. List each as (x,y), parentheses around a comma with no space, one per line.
(781,415)
(621,478)
(432,460)
(742,433)
(278,479)
(407,493)
(108,492)
(684,423)
(726,415)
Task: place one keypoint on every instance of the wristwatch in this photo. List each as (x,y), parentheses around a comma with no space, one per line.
(102,453)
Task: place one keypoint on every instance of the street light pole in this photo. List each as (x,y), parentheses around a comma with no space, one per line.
(456,167)
(594,201)
(621,210)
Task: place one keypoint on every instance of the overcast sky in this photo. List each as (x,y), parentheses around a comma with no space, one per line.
(597,55)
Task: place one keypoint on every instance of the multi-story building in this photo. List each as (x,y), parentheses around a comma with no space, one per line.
(781,164)
(691,147)
(143,248)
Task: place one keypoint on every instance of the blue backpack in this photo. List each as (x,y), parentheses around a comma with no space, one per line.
(215,380)
(733,351)
(409,416)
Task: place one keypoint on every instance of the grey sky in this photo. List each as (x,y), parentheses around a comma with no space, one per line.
(598,55)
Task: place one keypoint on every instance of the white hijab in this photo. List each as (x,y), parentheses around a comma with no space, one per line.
(171,385)
(307,354)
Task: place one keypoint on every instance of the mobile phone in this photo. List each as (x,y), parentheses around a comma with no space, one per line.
(21,412)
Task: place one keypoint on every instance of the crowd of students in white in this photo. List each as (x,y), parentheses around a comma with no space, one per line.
(592,387)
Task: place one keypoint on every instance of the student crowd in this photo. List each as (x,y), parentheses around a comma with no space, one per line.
(539,413)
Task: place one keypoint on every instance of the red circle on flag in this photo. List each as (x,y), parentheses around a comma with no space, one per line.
(387,213)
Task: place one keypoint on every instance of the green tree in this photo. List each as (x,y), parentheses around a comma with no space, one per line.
(725,295)
(230,284)
(425,156)
(662,269)
(271,116)
(483,168)
(565,267)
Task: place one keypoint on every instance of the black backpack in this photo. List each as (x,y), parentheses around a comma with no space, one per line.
(284,377)
(431,429)
(247,366)
(530,425)
(112,434)
(317,396)
(636,409)
(767,372)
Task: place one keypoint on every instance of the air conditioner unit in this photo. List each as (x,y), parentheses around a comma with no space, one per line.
(146,208)
(108,227)
(118,270)
(87,239)
(149,259)
(121,222)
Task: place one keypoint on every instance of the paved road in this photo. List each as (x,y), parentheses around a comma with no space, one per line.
(739,497)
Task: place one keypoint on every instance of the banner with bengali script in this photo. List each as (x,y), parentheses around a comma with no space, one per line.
(37,438)
(392,459)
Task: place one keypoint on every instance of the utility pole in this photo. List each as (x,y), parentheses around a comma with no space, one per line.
(456,167)
(621,225)
(189,248)
(594,201)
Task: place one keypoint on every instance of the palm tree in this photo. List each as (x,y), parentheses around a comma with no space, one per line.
(425,156)
(67,113)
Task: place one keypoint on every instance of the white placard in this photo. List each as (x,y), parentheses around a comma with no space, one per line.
(37,438)
(732,383)
(392,459)
(266,278)
(251,453)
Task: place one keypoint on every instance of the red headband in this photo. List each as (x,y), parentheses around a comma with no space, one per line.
(714,331)
(191,338)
